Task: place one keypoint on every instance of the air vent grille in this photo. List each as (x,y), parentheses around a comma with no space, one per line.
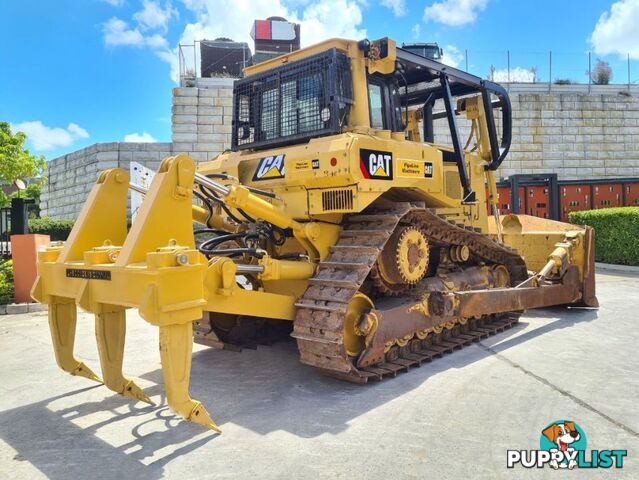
(337,200)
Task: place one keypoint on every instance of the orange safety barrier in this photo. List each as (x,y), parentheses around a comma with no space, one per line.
(24,252)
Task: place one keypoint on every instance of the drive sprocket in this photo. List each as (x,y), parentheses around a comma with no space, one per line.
(406,258)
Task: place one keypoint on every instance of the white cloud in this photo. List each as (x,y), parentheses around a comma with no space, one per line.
(170,56)
(416,31)
(115,3)
(77,131)
(517,74)
(454,13)
(155,41)
(397,6)
(452,56)
(320,22)
(153,16)
(616,31)
(234,19)
(49,138)
(139,138)
(118,33)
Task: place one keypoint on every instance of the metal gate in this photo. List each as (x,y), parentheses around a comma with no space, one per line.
(5,233)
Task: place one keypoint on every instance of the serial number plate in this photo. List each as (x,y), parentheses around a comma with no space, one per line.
(88,274)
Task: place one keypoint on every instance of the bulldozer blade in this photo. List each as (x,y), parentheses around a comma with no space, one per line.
(62,323)
(110,332)
(588,288)
(176,346)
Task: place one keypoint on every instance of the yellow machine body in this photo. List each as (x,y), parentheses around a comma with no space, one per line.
(316,189)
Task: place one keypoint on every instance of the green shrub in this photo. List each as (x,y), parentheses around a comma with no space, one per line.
(616,233)
(6,282)
(56,229)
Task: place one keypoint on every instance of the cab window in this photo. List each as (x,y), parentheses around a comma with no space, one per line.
(376,105)
(398,114)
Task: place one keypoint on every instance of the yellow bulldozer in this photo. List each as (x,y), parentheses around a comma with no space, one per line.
(334,219)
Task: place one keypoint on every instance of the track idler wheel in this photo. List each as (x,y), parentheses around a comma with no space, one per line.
(360,324)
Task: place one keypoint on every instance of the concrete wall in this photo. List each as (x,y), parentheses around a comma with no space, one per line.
(201,127)
(576,131)
(202,118)
(576,135)
(70,177)
(569,131)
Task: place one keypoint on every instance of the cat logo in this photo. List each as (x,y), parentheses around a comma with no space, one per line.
(376,164)
(428,169)
(270,168)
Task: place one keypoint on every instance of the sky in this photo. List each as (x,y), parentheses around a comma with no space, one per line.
(78,72)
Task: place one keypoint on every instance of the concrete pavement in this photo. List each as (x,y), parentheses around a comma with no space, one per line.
(453,418)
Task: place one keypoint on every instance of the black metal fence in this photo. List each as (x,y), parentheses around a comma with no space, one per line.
(14,220)
(5,233)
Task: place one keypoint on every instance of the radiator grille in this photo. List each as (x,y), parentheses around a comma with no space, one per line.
(337,200)
(453,185)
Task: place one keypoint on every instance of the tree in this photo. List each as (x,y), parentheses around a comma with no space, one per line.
(17,162)
(602,73)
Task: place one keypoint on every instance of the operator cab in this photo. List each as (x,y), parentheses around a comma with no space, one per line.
(301,96)
(417,82)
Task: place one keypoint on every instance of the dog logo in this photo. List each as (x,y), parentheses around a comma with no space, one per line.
(375,164)
(564,437)
(562,445)
(269,168)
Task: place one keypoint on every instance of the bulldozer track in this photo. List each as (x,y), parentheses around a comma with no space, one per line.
(438,346)
(321,310)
